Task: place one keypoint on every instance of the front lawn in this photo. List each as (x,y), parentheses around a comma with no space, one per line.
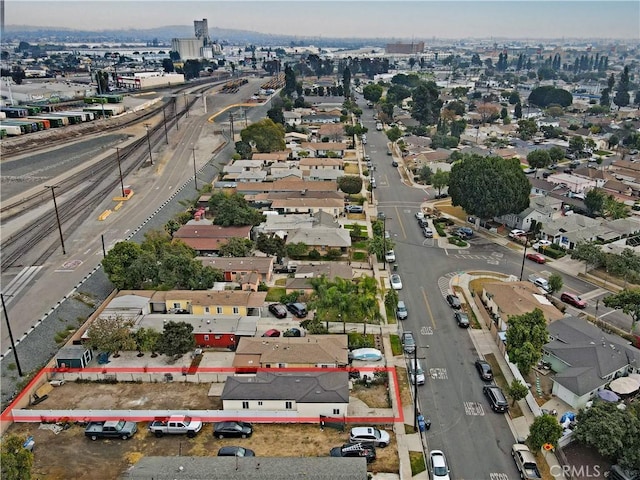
(275,294)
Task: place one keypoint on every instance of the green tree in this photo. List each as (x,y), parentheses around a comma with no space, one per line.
(538,159)
(346,82)
(378,245)
(576,144)
(547,95)
(426,103)
(391,300)
(271,244)
(517,111)
(397,93)
(16,461)
(372,92)
(555,283)
(614,209)
(424,174)
(627,300)
(556,153)
(177,339)
(544,429)
(229,210)
(350,184)
(118,265)
(488,187)
(527,129)
(267,136)
(275,114)
(622,97)
(394,134)
(289,81)
(146,339)
(244,150)
(296,250)
(236,247)
(590,253)
(594,201)
(526,334)
(111,334)
(517,391)
(167,65)
(439,180)
(102,81)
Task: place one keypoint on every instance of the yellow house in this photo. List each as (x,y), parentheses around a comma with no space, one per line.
(207,302)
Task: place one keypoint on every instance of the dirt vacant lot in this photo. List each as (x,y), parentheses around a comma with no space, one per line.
(69,454)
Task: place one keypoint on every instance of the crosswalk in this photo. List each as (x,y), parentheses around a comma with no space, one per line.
(19,282)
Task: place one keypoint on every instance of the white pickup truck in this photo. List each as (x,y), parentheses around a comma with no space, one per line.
(176,425)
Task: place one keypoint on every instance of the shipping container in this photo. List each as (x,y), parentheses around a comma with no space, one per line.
(112,98)
(46,124)
(92,100)
(72,119)
(29,126)
(86,116)
(54,122)
(14,112)
(11,130)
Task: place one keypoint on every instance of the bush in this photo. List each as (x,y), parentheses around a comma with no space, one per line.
(440,229)
(457,241)
(314,255)
(554,251)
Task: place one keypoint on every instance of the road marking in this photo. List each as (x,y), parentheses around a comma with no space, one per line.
(592,294)
(473,409)
(426,331)
(19,282)
(438,373)
(498,476)
(426,302)
(404,232)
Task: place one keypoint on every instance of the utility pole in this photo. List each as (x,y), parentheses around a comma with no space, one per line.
(13,345)
(120,170)
(233,133)
(175,111)
(55,207)
(147,125)
(195,179)
(166,135)
(186,105)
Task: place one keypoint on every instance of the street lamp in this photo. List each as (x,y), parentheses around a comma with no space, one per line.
(120,170)
(524,255)
(147,125)
(13,345)
(55,207)
(195,180)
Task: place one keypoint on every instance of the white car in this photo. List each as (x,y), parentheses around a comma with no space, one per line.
(390,256)
(396,282)
(439,465)
(419,216)
(541,244)
(379,438)
(516,233)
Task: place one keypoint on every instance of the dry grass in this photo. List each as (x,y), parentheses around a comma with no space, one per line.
(356,216)
(477,285)
(403,384)
(457,212)
(351,169)
(375,396)
(543,466)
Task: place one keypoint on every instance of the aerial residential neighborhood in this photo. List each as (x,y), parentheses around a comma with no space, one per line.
(408,256)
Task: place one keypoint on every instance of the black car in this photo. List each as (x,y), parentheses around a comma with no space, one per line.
(394,164)
(454,302)
(236,452)
(462,319)
(355,450)
(484,370)
(298,309)
(496,398)
(232,429)
(423,222)
(278,310)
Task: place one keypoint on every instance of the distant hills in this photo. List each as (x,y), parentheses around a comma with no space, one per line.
(163,35)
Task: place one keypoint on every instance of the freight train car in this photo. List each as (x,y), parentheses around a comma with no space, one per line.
(12,130)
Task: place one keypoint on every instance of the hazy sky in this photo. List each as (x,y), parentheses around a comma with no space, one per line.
(365,18)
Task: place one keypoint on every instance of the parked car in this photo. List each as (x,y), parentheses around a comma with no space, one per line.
(441,195)
(536,257)
(175,425)
(573,299)
(354,209)
(427,232)
(390,256)
(516,233)
(419,215)
(111,429)
(232,429)
(484,370)
(462,319)
(355,450)
(370,435)
(396,282)
(278,310)
(394,163)
(272,332)
(299,309)
(454,301)
(415,372)
(366,354)
(233,451)
(497,400)
(525,462)
(463,232)
(401,311)
(541,244)
(423,222)
(438,465)
(540,282)
(294,332)
(408,342)
(367,158)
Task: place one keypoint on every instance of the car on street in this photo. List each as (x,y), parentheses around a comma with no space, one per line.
(497,400)
(427,232)
(454,301)
(438,465)
(355,450)
(540,282)
(536,257)
(299,309)
(366,354)
(387,234)
(293,332)
(463,232)
(390,256)
(415,372)
(525,462)
(423,223)
(484,370)
(401,311)
(233,451)
(272,332)
(232,429)
(408,342)
(419,215)
(354,209)
(396,282)
(394,163)
(515,233)
(541,244)
(369,435)
(441,196)
(462,319)
(278,310)
(573,299)
(367,158)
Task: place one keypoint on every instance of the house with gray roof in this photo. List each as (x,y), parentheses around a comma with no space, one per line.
(585,359)
(247,468)
(310,393)
(541,209)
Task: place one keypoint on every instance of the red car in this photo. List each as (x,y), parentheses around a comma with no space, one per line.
(573,299)
(271,333)
(536,257)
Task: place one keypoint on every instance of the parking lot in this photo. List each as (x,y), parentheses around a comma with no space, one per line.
(69,454)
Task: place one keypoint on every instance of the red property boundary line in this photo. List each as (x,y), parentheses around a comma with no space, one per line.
(8,415)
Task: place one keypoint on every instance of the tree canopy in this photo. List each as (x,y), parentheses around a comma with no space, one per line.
(111,334)
(372,92)
(267,136)
(628,301)
(16,462)
(426,103)
(544,96)
(232,210)
(177,339)
(350,184)
(538,158)
(526,334)
(488,187)
(544,429)
(237,247)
